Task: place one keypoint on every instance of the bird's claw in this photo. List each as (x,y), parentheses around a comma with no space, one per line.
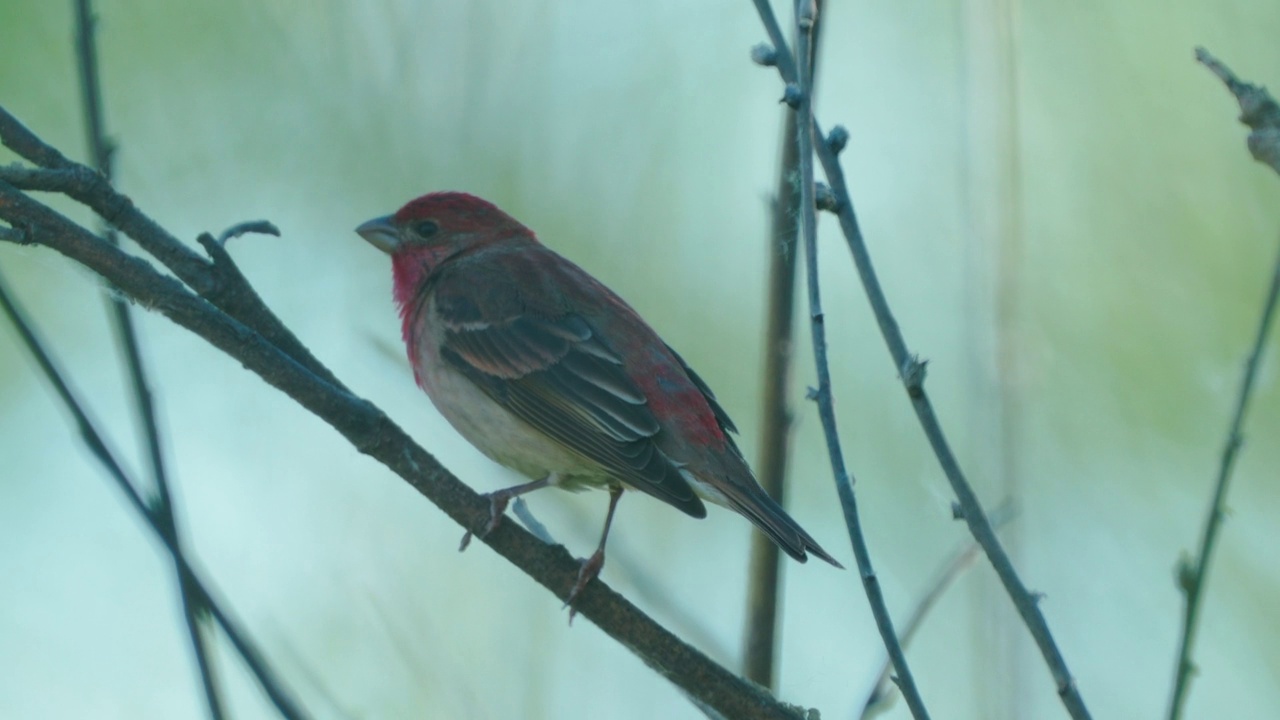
(497,506)
(587,572)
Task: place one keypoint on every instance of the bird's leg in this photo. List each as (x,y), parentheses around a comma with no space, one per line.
(591,566)
(498,501)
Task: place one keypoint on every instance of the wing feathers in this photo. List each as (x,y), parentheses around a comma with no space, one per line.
(554,374)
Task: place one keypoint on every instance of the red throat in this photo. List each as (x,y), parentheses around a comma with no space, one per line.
(409,272)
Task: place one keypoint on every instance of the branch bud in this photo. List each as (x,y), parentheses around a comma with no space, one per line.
(837,139)
(913,372)
(792,95)
(764,55)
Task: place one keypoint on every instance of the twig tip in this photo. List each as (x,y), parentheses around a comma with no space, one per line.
(260,227)
(14,235)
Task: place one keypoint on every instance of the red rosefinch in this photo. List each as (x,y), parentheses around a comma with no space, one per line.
(548,372)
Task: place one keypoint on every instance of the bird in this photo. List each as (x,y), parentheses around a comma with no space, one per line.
(547,371)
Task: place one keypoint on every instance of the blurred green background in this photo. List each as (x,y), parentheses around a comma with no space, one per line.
(1059,202)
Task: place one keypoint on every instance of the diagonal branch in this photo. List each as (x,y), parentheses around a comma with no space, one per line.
(215,280)
(283,701)
(374,434)
(1262,114)
(912,371)
(102,151)
(881,694)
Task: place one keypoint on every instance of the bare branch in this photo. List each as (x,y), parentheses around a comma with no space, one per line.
(1260,112)
(102,151)
(154,519)
(218,281)
(806,11)
(910,371)
(951,570)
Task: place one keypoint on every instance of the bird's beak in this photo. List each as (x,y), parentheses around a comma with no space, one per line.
(381,233)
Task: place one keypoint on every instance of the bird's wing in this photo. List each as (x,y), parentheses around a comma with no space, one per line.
(555,374)
(746,496)
(722,417)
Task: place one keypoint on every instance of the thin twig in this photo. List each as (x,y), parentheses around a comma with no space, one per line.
(1260,112)
(371,432)
(764,587)
(102,151)
(259,227)
(961,560)
(911,371)
(283,701)
(805,16)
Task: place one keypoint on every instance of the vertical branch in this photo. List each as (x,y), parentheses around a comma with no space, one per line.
(1262,114)
(802,94)
(764,589)
(102,151)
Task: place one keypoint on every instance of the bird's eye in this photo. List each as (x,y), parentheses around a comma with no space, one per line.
(426,228)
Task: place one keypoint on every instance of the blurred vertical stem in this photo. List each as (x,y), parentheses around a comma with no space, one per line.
(1260,112)
(990,36)
(764,589)
(101,149)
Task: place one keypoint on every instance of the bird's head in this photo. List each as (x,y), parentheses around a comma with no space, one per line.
(432,229)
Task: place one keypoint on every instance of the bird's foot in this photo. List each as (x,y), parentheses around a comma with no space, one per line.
(497,506)
(586,573)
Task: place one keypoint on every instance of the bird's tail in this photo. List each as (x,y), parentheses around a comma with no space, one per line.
(753,503)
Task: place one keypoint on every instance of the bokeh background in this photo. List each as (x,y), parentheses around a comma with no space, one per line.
(1058,200)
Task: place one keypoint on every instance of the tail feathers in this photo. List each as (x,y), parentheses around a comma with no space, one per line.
(773,521)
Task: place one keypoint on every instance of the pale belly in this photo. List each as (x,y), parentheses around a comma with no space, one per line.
(496,432)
